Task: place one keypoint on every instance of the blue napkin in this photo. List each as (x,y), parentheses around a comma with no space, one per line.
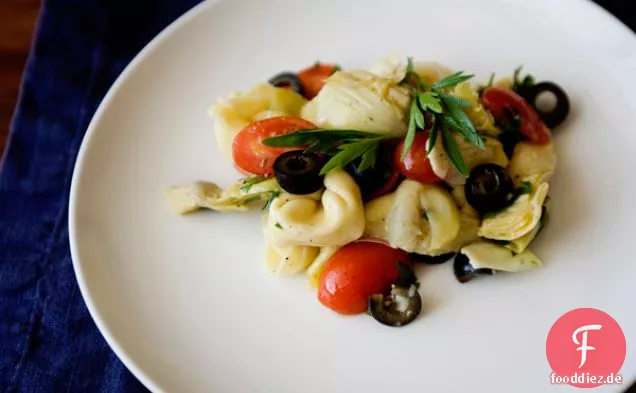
(48,342)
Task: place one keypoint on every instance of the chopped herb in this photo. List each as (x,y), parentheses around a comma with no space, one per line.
(272,195)
(526,188)
(444,110)
(252,199)
(345,146)
(425,216)
(336,68)
(278,226)
(370,118)
(520,86)
(491,81)
(247,184)
(490,214)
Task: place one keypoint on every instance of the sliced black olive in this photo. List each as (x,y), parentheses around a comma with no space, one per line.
(465,272)
(555,116)
(374,179)
(430,260)
(398,308)
(509,140)
(298,172)
(288,79)
(489,188)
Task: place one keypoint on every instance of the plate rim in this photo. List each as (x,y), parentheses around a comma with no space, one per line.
(76,180)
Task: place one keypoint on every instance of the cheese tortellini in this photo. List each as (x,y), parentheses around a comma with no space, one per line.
(518,219)
(337,218)
(289,259)
(420,218)
(492,153)
(234,113)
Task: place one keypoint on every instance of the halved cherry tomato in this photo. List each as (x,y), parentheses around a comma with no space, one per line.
(251,155)
(416,165)
(499,100)
(313,78)
(357,271)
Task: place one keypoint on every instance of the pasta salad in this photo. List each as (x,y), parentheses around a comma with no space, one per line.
(362,174)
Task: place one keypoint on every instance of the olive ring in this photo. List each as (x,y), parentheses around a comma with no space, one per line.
(559,113)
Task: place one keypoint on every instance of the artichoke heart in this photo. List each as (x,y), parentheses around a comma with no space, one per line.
(416,217)
(205,195)
(360,100)
(235,112)
(289,259)
(518,219)
(532,163)
(484,255)
(478,115)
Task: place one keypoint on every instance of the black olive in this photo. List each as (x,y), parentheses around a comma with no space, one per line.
(298,172)
(465,272)
(556,115)
(290,79)
(430,260)
(375,178)
(489,188)
(509,140)
(398,308)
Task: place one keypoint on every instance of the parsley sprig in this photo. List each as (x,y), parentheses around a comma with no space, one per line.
(443,113)
(344,146)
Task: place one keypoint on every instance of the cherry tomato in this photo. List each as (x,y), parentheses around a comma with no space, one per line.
(416,165)
(357,271)
(499,100)
(313,78)
(251,155)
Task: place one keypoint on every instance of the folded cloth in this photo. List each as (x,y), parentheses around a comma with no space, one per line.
(48,342)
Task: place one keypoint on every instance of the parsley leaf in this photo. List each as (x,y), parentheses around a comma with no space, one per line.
(410,134)
(272,195)
(526,188)
(425,216)
(450,146)
(451,80)
(429,101)
(248,183)
(520,86)
(278,225)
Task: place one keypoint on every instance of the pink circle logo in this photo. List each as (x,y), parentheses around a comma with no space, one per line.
(586,348)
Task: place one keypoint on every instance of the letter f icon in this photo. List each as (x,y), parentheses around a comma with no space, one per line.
(584,347)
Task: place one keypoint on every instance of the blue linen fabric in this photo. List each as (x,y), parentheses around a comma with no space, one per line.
(48,342)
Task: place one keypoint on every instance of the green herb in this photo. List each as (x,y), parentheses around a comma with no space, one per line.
(247,184)
(526,188)
(345,146)
(519,86)
(252,199)
(425,216)
(278,225)
(490,214)
(272,195)
(336,68)
(406,276)
(491,81)
(445,113)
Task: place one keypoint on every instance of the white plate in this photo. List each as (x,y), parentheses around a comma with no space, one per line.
(185,301)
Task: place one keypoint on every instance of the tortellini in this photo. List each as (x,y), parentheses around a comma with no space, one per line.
(431,71)
(492,153)
(420,218)
(532,163)
(360,100)
(233,114)
(289,259)
(518,219)
(337,218)
(478,115)
(205,195)
(319,263)
(484,255)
